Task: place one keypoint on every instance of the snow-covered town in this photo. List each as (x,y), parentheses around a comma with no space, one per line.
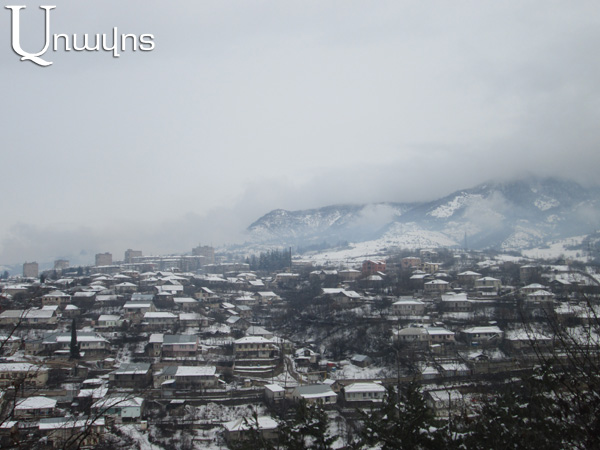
(202,351)
(300,225)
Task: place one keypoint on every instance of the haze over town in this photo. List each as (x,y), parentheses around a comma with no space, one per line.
(244,108)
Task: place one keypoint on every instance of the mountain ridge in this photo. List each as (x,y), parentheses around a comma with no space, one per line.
(505,215)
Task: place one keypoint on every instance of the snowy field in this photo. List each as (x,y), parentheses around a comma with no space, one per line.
(405,237)
(557,248)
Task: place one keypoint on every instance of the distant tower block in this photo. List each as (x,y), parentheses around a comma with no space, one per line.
(104,259)
(131,254)
(61,264)
(31,270)
(206,251)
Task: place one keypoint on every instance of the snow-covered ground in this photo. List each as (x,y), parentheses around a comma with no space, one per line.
(403,236)
(140,437)
(448,209)
(557,248)
(412,238)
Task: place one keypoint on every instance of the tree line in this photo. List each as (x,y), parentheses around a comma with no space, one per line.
(271,260)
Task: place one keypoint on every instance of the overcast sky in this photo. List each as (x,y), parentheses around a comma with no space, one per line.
(247,106)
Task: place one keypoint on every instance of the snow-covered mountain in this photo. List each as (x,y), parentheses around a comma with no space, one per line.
(504,215)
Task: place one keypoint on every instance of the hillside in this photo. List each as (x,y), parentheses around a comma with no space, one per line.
(504,215)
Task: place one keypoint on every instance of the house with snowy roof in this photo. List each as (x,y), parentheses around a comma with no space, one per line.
(35,407)
(467,278)
(454,369)
(237,323)
(10,344)
(158,320)
(186,303)
(132,375)
(304,357)
(89,343)
(488,285)
(267,297)
(179,345)
(284,279)
(411,335)
(256,285)
(254,347)
(71,312)
(445,402)
(371,267)
(528,340)
(46,315)
(109,321)
(196,378)
(364,392)
(456,302)
(139,297)
(172,287)
(135,309)
(121,408)
(408,307)
(255,355)
(22,373)
(531,288)
(321,394)
(59,431)
(482,335)
(348,274)
(410,262)
(56,298)
(341,296)
(430,267)
(126,287)
(436,287)
(439,335)
(274,393)
(92,389)
(540,296)
(255,330)
(14,289)
(361,360)
(237,429)
(193,320)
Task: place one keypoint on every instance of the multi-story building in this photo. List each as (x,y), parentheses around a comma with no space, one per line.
(58,298)
(61,264)
(408,307)
(22,373)
(255,355)
(206,251)
(196,377)
(488,284)
(179,345)
(104,259)
(410,262)
(31,270)
(370,267)
(132,375)
(131,254)
(436,287)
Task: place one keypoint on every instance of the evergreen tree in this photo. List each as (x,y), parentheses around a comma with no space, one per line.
(403,422)
(74,347)
(306,430)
